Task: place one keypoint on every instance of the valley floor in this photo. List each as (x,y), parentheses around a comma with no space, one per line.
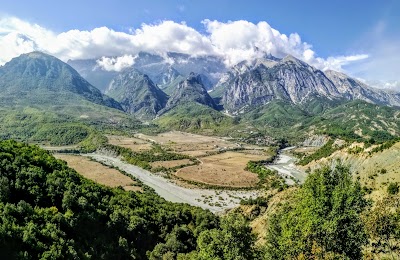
(221,163)
(214,200)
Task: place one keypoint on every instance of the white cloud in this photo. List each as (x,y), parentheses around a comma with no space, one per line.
(335,63)
(116,63)
(233,41)
(384,84)
(240,40)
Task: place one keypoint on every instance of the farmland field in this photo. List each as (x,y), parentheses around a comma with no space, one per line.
(135,144)
(171,164)
(225,169)
(98,172)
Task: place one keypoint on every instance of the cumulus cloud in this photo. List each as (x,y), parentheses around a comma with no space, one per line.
(233,41)
(241,40)
(116,63)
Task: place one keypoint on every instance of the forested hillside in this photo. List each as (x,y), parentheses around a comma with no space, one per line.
(49,211)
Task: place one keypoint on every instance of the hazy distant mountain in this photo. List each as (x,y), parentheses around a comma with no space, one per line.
(209,66)
(163,75)
(41,79)
(137,93)
(92,72)
(350,88)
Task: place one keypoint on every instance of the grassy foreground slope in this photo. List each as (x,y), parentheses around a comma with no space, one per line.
(376,167)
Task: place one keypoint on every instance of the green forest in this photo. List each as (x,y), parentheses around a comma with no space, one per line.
(48,211)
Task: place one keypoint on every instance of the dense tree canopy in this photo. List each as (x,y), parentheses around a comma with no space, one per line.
(49,211)
(322,221)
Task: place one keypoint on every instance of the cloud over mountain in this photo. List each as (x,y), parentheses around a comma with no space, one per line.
(234,41)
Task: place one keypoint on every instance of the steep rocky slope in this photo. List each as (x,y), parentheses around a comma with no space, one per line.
(255,83)
(190,90)
(137,94)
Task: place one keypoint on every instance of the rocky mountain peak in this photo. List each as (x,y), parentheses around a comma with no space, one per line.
(191,90)
(290,59)
(137,93)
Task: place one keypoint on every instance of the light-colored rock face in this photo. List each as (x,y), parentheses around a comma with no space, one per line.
(256,83)
(354,89)
(315,141)
(287,79)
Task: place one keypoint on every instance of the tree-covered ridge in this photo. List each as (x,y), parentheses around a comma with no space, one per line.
(49,211)
(61,127)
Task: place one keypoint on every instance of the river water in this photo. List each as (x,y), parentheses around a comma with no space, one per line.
(285,165)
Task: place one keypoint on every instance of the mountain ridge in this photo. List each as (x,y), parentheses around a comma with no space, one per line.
(263,80)
(190,90)
(43,73)
(137,93)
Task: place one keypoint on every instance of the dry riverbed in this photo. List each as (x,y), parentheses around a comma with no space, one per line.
(285,165)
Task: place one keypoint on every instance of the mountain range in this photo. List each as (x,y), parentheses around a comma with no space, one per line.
(250,84)
(164,71)
(247,85)
(181,91)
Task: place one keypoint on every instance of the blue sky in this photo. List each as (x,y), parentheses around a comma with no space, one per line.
(333,28)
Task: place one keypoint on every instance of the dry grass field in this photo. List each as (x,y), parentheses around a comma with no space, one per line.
(135,144)
(190,144)
(171,164)
(98,172)
(225,169)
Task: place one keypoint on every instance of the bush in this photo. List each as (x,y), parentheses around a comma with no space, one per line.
(393,188)
(322,152)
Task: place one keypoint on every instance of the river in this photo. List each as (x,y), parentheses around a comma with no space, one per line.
(284,163)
